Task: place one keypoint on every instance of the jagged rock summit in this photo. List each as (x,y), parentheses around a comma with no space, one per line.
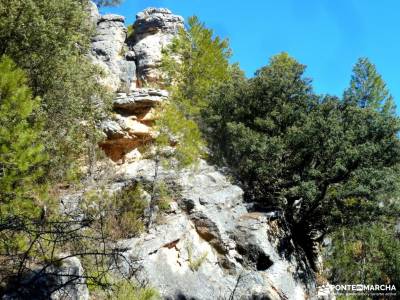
(132,64)
(154,29)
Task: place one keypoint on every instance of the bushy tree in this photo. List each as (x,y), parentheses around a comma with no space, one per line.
(21,151)
(249,118)
(194,63)
(21,157)
(50,41)
(319,160)
(367,254)
(181,133)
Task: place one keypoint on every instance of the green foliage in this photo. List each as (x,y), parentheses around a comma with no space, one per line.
(122,212)
(129,291)
(21,152)
(249,120)
(180,132)
(367,88)
(164,196)
(306,155)
(127,213)
(195,63)
(367,254)
(195,263)
(50,41)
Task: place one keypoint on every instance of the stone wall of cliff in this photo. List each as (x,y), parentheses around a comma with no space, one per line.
(131,66)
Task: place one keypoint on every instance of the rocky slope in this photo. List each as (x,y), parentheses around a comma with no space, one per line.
(209,244)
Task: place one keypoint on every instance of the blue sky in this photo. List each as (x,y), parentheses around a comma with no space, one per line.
(326,35)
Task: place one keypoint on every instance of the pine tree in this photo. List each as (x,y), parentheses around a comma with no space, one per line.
(195,63)
(21,153)
(366,254)
(367,88)
(50,40)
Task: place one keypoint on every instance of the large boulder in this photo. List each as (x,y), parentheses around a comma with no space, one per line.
(71,290)
(64,282)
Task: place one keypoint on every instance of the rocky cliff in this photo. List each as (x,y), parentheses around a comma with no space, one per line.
(209,244)
(131,65)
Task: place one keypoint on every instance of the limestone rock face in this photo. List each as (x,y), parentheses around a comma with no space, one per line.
(154,29)
(93,12)
(211,247)
(63,282)
(133,63)
(78,289)
(139,100)
(129,64)
(131,123)
(108,52)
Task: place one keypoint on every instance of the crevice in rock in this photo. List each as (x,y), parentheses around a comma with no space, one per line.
(153,252)
(254,257)
(263,262)
(209,232)
(172,244)
(169,245)
(181,296)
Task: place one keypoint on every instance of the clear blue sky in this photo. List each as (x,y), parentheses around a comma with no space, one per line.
(326,35)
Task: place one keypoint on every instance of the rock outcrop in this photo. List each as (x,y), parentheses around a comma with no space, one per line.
(71,268)
(108,51)
(64,282)
(131,124)
(154,29)
(210,246)
(134,62)
(129,66)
